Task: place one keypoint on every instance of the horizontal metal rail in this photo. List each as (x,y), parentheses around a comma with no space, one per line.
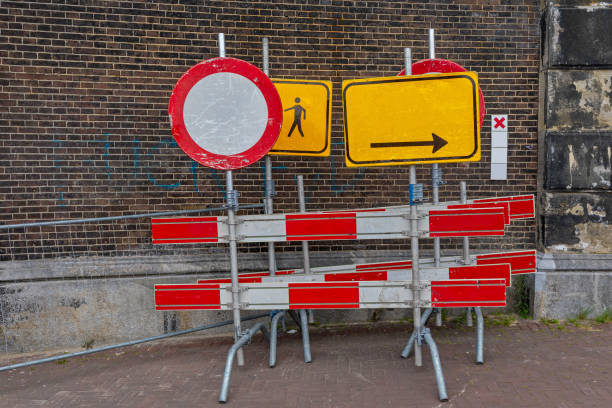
(123,217)
(128,343)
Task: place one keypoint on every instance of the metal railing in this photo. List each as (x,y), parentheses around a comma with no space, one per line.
(62,284)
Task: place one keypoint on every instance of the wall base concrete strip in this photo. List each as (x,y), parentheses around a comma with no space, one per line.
(569,284)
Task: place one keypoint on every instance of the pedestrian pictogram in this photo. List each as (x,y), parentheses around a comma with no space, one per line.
(298,110)
(402,120)
(499,123)
(306,118)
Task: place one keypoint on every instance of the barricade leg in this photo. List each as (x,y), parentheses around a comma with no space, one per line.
(305,335)
(274,335)
(424,317)
(479,336)
(438,317)
(468,317)
(295,318)
(244,339)
(435,358)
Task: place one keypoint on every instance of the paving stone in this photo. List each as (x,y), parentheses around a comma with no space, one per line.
(528,365)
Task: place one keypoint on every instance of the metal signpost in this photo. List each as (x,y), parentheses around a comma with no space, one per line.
(226,114)
(269,191)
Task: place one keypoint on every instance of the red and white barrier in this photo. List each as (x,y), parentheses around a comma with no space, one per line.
(519,262)
(498,271)
(477,218)
(332,295)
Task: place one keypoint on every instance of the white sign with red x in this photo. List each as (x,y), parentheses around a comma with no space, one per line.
(499,147)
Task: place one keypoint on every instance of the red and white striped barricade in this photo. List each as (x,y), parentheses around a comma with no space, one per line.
(450,220)
(332,295)
(520,262)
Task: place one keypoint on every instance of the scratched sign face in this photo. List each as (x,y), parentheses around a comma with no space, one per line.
(225,113)
(430,118)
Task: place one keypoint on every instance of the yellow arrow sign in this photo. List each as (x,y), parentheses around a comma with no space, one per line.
(306,118)
(402,120)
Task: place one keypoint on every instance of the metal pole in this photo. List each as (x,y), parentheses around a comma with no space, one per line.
(235,349)
(479,336)
(274,336)
(466,240)
(435,358)
(305,250)
(434,167)
(408,348)
(435,179)
(302,201)
(305,336)
(233,246)
(414,243)
(268,183)
(466,248)
(128,343)
(121,217)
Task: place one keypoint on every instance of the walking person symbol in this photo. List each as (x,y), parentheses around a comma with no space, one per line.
(297,117)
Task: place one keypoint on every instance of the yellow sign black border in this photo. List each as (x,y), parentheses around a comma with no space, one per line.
(327,116)
(410,160)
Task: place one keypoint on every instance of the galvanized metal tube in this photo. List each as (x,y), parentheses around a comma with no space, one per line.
(435,358)
(466,246)
(432,44)
(416,276)
(269,210)
(233,246)
(302,201)
(438,317)
(274,336)
(266,52)
(122,217)
(434,168)
(479,336)
(127,343)
(414,241)
(408,61)
(305,249)
(268,200)
(235,349)
(466,240)
(406,351)
(305,336)
(221,45)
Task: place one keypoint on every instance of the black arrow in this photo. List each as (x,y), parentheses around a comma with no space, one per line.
(437,143)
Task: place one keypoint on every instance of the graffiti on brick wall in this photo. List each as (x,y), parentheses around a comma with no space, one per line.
(147,163)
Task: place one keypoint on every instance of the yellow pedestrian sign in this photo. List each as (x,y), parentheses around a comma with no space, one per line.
(306,118)
(400,120)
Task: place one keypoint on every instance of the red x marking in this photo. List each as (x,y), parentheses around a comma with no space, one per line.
(499,122)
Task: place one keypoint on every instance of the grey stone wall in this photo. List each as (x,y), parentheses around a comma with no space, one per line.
(575,197)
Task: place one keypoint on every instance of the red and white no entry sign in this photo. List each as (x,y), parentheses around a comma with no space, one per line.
(225,113)
(437,65)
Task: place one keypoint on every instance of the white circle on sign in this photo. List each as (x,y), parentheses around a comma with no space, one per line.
(225,113)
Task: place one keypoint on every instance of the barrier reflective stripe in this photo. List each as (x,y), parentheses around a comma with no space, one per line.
(188,230)
(466,222)
(520,262)
(332,295)
(520,206)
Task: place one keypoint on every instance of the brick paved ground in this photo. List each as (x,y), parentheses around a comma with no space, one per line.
(527,365)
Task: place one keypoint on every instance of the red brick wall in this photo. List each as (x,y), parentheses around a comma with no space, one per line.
(85,88)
